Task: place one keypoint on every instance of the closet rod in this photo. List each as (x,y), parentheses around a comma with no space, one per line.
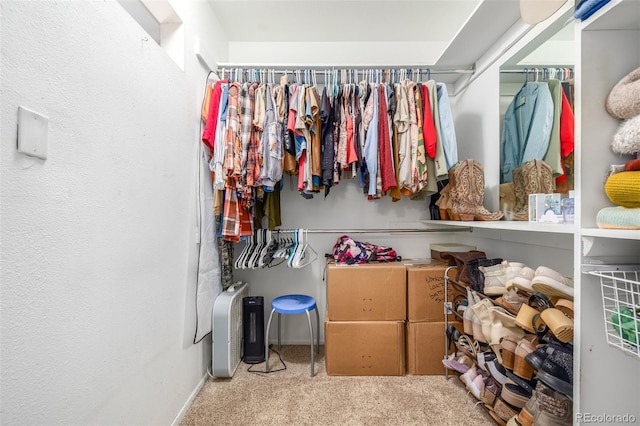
(533,70)
(378,230)
(279,68)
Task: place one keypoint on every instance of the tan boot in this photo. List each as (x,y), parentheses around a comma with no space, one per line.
(444,203)
(469,192)
(480,212)
(534,177)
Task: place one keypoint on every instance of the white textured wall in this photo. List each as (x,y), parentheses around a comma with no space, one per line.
(477,119)
(98,241)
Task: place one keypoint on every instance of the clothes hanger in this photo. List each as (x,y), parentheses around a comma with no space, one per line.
(239,261)
(292,252)
(247,258)
(305,255)
(253,261)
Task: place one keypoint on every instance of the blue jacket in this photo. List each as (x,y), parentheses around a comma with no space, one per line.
(527,128)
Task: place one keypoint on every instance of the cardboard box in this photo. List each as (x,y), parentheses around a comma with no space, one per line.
(437,249)
(365,348)
(426,347)
(425,292)
(367,292)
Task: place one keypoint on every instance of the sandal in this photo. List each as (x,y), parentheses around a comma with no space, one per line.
(468,346)
(560,325)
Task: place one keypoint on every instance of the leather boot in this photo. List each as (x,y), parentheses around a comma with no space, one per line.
(468,192)
(534,177)
(460,259)
(476,276)
(444,203)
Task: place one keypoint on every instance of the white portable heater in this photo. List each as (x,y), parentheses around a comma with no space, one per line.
(227,330)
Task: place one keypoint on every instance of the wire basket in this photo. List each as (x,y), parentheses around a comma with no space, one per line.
(621,303)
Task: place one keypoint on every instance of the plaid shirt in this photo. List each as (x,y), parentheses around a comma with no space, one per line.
(232,126)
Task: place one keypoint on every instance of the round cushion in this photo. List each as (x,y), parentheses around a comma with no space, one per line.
(293,304)
(624,99)
(627,138)
(618,218)
(623,189)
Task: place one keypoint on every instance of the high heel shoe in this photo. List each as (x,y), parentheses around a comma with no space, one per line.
(453,334)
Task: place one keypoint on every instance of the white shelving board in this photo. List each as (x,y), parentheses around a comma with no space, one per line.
(560,228)
(623,234)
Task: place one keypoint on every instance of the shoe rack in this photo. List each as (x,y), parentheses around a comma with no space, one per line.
(606,376)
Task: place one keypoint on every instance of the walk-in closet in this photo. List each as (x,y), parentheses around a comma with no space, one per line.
(185,183)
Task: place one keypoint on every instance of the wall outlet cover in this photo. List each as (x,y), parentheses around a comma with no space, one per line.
(32,133)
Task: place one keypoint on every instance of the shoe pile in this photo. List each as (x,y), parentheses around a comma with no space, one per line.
(516,353)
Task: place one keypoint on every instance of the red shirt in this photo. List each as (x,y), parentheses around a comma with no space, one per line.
(428,128)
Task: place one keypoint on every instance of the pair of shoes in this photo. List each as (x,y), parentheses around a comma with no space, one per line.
(514,352)
(537,357)
(459,260)
(522,280)
(546,407)
(452,334)
(444,203)
(497,276)
(474,381)
(515,395)
(560,324)
(467,192)
(557,318)
(468,346)
(459,362)
(556,371)
(476,275)
(512,300)
(493,323)
(502,410)
(552,283)
(491,391)
(497,371)
(471,322)
(532,177)
(526,318)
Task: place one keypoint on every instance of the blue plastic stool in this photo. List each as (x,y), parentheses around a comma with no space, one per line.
(293,304)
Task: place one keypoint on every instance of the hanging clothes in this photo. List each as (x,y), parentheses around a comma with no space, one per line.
(447,128)
(383,133)
(527,128)
(552,156)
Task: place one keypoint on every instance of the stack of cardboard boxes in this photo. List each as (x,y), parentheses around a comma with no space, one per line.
(385,319)
(365,319)
(425,317)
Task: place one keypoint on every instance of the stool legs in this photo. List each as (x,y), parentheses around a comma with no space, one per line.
(311,339)
(266,340)
(317,330)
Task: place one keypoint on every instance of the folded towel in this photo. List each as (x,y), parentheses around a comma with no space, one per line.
(586,8)
(618,218)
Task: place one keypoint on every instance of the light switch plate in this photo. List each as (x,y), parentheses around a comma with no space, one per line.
(32,133)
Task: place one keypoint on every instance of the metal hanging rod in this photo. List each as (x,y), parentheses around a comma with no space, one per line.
(533,70)
(378,231)
(281,69)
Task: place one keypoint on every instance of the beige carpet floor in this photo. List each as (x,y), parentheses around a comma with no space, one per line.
(293,397)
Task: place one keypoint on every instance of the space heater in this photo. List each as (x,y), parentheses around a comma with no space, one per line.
(253,323)
(227,345)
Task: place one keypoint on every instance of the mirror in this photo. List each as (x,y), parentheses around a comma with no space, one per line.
(536,86)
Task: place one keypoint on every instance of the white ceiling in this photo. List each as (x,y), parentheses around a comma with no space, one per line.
(457,32)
